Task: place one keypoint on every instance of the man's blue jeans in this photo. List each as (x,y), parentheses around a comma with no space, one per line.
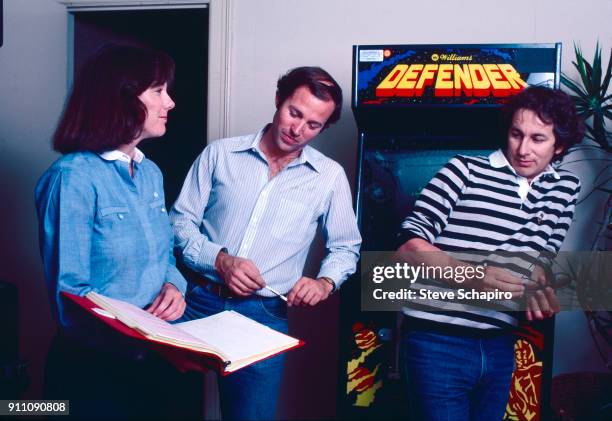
(457,377)
(251,392)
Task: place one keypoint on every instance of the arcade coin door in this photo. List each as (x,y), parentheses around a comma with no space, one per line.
(416,107)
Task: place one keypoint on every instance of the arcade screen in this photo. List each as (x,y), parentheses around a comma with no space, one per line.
(394,173)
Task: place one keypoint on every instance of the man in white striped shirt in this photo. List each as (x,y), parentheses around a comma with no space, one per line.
(458,361)
(246,217)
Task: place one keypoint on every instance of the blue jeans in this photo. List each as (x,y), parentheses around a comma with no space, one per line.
(457,377)
(251,392)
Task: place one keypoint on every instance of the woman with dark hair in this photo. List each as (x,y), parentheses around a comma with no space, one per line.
(103,227)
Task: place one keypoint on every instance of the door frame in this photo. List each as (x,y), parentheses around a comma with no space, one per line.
(219,49)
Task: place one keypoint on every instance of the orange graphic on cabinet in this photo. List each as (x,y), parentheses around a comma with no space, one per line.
(525,389)
(364,377)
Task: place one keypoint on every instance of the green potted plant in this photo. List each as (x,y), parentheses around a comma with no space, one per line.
(587,273)
(591,95)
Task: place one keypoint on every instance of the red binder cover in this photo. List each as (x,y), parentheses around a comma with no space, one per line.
(182,359)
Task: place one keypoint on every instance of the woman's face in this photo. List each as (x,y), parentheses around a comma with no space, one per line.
(158,103)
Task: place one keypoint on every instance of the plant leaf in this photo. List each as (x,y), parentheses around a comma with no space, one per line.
(591,94)
(596,72)
(573,86)
(606,82)
(579,63)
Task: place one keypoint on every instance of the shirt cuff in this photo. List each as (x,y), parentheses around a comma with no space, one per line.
(332,274)
(546,260)
(203,261)
(407,234)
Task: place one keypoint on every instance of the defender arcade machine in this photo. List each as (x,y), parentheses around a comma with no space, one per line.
(416,107)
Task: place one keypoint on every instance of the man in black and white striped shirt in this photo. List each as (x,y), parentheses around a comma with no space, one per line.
(458,364)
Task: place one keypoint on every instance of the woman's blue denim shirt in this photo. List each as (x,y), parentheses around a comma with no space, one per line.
(103,230)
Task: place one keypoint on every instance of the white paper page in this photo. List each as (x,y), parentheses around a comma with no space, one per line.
(238,336)
(147,322)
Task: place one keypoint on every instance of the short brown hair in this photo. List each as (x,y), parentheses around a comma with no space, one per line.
(319,82)
(103,110)
(552,107)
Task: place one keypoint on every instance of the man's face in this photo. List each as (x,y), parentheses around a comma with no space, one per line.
(531,144)
(298,120)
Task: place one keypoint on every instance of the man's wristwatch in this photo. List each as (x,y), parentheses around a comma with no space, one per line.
(329,281)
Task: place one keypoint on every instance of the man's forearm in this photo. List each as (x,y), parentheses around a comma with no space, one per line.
(338,266)
(418,251)
(199,253)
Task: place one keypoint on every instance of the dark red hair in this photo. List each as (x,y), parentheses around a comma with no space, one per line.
(103,111)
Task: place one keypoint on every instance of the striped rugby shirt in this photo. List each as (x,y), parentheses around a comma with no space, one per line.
(228,201)
(481,204)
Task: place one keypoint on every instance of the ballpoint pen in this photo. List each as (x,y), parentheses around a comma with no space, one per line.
(276,292)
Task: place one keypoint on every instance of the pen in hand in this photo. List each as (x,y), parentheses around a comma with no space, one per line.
(276,292)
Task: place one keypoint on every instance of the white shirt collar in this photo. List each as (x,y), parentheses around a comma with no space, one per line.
(118,155)
(308,154)
(498,160)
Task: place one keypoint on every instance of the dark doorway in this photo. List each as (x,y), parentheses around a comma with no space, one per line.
(183,34)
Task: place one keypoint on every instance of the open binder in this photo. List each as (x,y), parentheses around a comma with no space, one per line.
(227,341)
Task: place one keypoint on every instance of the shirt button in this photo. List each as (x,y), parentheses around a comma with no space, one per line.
(120,216)
(155,194)
(163,209)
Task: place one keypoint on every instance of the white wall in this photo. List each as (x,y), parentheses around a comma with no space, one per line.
(32,90)
(271,36)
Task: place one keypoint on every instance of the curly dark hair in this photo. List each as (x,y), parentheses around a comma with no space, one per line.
(103,110)
(552,107)
(319,82)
